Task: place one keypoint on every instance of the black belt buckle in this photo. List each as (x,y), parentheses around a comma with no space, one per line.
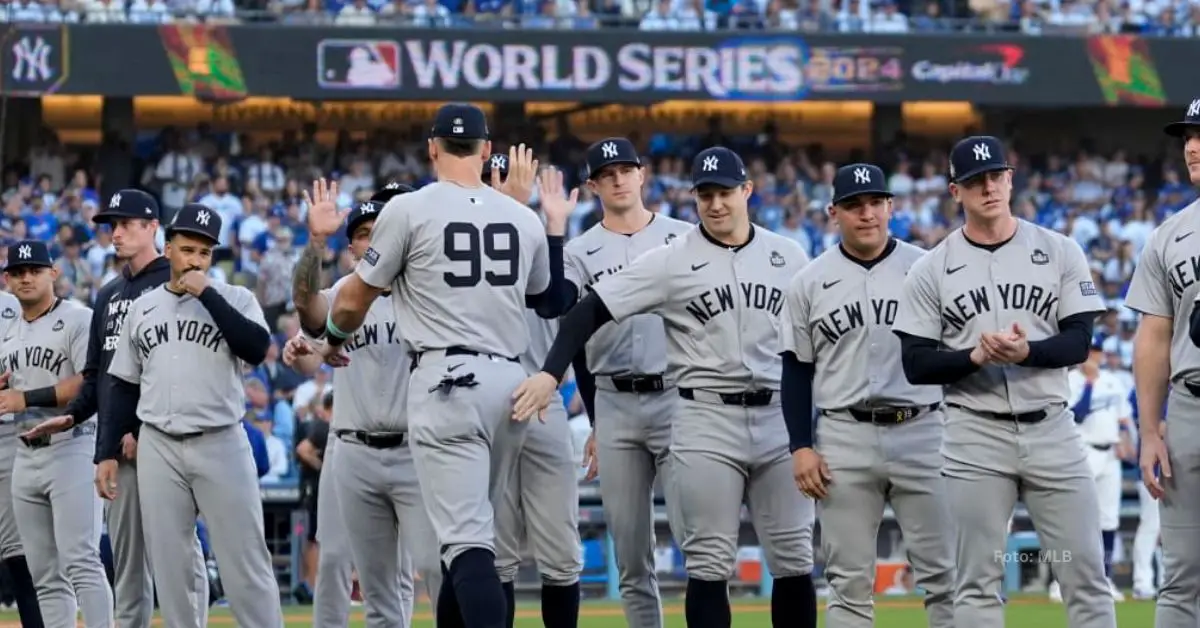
(638,383)
(748,399)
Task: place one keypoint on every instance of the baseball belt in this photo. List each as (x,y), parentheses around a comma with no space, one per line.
(374,440)
(42,442)
(1036,416)
(888,415)
(637,383)
(417,356)
(747,399)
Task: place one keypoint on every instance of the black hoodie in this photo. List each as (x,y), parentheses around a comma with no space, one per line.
(108,316)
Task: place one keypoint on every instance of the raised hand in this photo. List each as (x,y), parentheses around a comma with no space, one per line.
(557,206)
(324,218)
(522,170)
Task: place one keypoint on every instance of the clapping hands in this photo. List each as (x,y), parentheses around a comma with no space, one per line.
(1003,347)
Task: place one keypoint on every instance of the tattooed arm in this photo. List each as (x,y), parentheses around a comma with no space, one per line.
(311,305)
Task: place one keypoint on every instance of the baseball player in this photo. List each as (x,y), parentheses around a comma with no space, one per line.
(541,505)
(1164,290)
(1100,402)
(879,438)
(463,261)
(133,217)
(720,291)
(11,553)
(370,500)
(192,455)
(58,513)
(628,359)
(995,314)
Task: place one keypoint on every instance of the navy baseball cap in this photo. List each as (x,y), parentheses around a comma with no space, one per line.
(460,121)
(718,166)
(393,188)
(366,210)
(128,203)
(196,219)
(856,179)
(497,162)
(1191,119)
(29,253)
(609,151)
(976,155)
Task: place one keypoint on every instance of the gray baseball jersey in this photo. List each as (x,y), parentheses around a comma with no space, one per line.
(720,305)
(840,316)
(370,392)
(639,344)
(1166,282)
(541,336)
(164,332)
(460,262)
(960,290)
(10,311)
(45,351)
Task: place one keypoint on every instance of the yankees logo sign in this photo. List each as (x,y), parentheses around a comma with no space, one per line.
(34,59)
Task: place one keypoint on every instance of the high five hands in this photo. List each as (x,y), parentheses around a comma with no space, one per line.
(1003,347)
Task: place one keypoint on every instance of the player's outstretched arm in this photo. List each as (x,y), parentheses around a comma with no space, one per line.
(311,307)
(574,331)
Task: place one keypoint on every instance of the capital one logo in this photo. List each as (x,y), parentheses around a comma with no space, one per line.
(32,59)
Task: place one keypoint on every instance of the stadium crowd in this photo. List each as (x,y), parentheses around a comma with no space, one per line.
(1109,203)
(1168,18)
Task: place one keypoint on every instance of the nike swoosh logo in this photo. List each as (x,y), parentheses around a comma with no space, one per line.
(699,266)
(451,368)
(951,271)
(1181,238)
(595,250)
(149,309)
(829,284)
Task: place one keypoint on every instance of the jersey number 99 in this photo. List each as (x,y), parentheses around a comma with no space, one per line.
(467,243)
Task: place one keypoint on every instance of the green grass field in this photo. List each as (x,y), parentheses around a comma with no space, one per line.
(891,613)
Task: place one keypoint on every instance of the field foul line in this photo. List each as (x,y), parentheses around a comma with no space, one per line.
(615,611)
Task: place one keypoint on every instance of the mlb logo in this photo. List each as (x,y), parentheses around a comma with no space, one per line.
(358,64)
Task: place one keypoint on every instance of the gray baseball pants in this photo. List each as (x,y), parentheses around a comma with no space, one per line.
(388,529)
(725,456)
(331,599)
(465,445)
(633,438)
(60,518)
(1180,515)
(133,588)
(10,538)
(873,465)
(989,464)
(541,506)
(212,473)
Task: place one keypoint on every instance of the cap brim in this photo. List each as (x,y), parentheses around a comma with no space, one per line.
(725,182)
(351,225)
(1177,129)
(850,195)
(190,231)
(971,174)
(617,162)
(28,265)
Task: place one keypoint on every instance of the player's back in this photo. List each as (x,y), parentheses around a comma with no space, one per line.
(471,257)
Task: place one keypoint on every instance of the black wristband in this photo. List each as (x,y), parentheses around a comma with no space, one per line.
(41,398)
(334,341)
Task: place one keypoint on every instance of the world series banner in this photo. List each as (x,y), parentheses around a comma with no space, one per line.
(225,63)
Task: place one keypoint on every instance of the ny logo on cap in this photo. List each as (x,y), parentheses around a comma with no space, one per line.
(710,164)
(498,162)
(982,152)
(24,252)
(202,217)
(609,150)
(457,126)
(862,175)
(366,208)
(115,201)
(1194,109)
(394,185)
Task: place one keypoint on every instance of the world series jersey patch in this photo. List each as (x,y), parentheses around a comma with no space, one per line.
(1087,289)
(372,257)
